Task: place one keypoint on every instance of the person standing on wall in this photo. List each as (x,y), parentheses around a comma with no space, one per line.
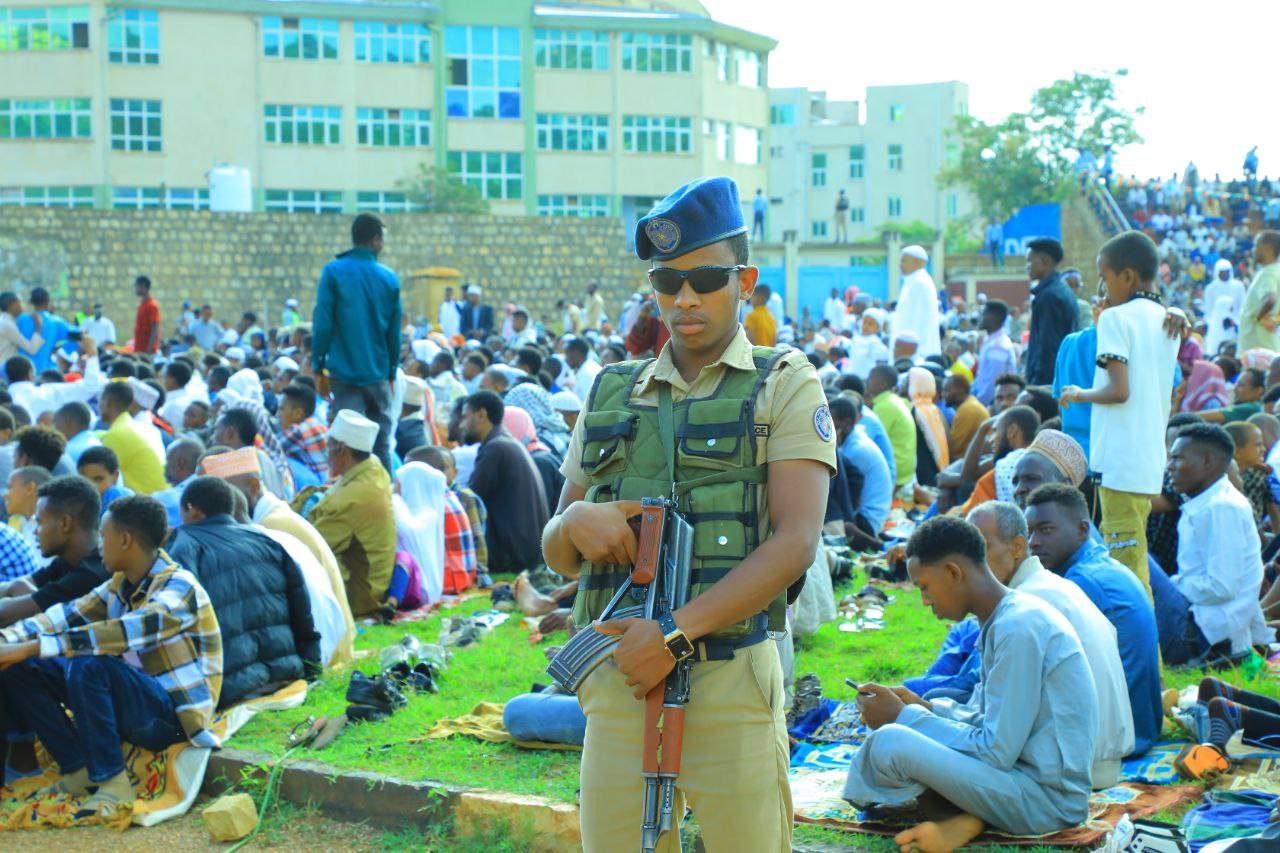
(146,324)
(355,330)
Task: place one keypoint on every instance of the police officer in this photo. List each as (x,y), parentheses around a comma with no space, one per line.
(743,438)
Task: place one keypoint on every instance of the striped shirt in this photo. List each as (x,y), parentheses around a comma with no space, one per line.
(166,624)
(306,443)
(16,557)
(479,517)
(459,540)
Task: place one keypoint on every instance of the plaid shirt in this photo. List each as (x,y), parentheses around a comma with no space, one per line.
(306,443)
(166,621)
(478,516)
(459,540)
(16,557)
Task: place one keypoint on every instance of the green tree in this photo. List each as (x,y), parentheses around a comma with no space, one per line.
(1029,157)
(434,190)
(914,231)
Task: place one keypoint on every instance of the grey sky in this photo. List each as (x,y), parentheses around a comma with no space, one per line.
(1202,72)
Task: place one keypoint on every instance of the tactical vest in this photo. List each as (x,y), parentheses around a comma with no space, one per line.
(717,476)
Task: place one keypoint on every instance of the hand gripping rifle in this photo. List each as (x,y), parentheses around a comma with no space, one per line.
(662,571)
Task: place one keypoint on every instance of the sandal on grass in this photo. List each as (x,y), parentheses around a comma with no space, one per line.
(329,733)
(305,732)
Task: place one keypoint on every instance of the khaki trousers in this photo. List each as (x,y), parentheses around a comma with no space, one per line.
(1124,529)
(734,768)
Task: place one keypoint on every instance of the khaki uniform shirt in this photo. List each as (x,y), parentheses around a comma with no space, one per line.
(791,409)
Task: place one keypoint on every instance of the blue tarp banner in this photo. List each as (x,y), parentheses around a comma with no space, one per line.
(1036,220)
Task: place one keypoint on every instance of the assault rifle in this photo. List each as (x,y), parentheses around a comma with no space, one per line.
(660,579)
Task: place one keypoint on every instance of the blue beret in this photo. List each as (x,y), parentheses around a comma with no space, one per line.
(697,214)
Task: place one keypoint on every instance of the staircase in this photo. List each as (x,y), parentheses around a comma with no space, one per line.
(1089,219)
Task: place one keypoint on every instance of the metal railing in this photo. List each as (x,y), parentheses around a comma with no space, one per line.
(1105,207)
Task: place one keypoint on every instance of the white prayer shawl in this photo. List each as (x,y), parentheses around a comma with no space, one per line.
(419,511)
(325,609)
(917,312)
(1222,299)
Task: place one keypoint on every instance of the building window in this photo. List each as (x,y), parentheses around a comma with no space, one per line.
(724,140)
(584,50)
(135,125)
(496,174)
(484,72)
(953,205)
(818,228)
(857,215)
(724,62)
(384,201)
(46,196)
(572,132)
(818,170)
(573,205)
(895,113)
(392,128)
(141,198)
(304,201)
(750,70)
(133,36)
(777,152)
(663,134)
(299,38)
(657,53)
(895,206)
(747,142)
(58,118)
(782,114)
(382,42)
(895,158)
(44,28)
(857,156)
(300,124)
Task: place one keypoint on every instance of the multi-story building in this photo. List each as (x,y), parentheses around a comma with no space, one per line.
(557,108)
(886,162)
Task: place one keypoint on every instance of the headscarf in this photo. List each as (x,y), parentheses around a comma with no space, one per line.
(419,511)
(520,425)
(1206,388)
(244,391)
(1260,358)
(1189,353)
(922,387)
(535,400)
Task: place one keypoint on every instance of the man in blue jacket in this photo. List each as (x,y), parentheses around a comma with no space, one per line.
(355,331)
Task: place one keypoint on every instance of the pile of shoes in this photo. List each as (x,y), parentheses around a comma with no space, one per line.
(863,611)
(808,695)
(502,597)
(409,665)
(462,631)
(373,698)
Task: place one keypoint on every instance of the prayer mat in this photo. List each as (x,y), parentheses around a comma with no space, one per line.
(836,756)
(484,722)
(166,783)
(817,797)
(1154,768)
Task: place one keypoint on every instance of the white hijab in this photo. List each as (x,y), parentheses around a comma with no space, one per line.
(419,510)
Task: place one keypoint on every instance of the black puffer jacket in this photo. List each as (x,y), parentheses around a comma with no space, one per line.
(260,597)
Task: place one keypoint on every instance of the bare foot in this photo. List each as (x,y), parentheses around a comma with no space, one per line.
(529,600)
(556,620)
(560,593)
(940,836)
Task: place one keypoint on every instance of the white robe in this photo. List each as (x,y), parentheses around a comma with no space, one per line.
(326,612)
(865,352)
(833,312)
(450,318)
(1222,299)
(917,312)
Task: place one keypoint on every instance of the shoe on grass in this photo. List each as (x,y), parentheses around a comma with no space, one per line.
(378,692)
(366,714)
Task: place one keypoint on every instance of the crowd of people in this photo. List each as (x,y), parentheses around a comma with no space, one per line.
(202,513)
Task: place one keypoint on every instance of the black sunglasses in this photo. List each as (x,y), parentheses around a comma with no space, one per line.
(702,279)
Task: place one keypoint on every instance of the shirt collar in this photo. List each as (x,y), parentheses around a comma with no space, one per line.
(736,354)
(1207,496)
(1082,554)
(1029,567)
(1045,282)
(357,252)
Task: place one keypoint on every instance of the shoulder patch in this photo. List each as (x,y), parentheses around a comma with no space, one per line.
(822,423)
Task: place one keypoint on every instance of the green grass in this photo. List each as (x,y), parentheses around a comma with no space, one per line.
(504,664)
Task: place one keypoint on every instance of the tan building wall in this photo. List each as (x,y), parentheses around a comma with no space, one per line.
(239,262)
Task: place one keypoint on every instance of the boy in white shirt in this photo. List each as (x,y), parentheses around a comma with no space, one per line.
(1131,391)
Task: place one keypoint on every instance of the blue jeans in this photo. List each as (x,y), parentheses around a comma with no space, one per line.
(1180,637)
(111,702)
(548,717)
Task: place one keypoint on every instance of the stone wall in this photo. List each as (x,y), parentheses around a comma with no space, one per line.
(254,261)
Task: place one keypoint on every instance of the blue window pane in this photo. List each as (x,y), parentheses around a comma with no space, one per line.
(481,41)
(509,74)
(509,41)
(455,40)
(456,102)
(453,160)
(481,72)
(508,105)
(483,103)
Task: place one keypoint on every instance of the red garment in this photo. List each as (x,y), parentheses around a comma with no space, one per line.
(459,547)
(145,324)
(648,333)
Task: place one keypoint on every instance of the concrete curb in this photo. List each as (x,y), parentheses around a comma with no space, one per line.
(356,795)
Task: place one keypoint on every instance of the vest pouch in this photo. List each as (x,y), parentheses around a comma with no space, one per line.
(720,521)
(714,435)
(604,440)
